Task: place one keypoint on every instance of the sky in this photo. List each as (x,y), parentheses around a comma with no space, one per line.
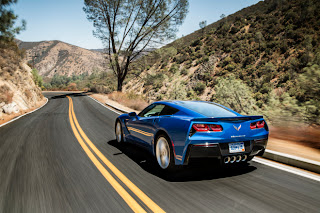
(66,21)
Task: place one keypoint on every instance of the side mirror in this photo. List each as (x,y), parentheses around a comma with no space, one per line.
(132,114)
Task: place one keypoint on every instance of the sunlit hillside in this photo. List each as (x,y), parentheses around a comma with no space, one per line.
(262,59)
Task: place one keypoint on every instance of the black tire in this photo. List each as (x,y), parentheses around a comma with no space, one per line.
(164,153)
(119,135)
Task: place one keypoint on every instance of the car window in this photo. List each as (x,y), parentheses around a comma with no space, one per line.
(141,114)
(207,109)
(168,110)
(152,111)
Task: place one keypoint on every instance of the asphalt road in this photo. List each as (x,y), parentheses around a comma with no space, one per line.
(44,168)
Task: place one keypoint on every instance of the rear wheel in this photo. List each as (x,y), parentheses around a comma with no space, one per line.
(118,131)
(164,153)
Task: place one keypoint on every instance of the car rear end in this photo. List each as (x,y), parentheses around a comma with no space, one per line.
(229,139)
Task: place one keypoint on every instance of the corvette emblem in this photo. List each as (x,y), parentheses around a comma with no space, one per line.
(237,128)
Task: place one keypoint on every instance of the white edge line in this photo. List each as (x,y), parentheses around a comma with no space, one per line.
(286,168)
(105,105)
(293,157)
(24,114)
(117,108)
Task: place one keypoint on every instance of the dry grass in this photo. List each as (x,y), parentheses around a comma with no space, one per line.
(28,94)
(308,136)
(130,100)
(72,87)
(5,94)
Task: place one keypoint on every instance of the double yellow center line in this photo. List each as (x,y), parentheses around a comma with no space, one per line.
(132,203)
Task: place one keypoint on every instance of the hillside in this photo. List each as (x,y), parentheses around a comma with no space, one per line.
(262,59)
(18,92)
(59,58)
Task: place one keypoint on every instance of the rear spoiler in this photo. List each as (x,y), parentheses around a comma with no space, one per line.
(237,118)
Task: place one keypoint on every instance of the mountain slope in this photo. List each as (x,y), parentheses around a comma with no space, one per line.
(59,58)
(271,50)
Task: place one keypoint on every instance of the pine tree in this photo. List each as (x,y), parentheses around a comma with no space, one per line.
(8,20)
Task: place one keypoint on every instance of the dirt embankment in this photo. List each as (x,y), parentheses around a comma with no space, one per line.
(18,92)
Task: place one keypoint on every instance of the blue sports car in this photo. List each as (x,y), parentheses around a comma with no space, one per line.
(176,131)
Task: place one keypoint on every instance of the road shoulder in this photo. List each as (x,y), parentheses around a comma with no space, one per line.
(6,119)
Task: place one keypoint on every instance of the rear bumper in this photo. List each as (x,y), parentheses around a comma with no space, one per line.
(221,150)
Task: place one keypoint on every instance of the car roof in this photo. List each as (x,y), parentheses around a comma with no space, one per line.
(177,104)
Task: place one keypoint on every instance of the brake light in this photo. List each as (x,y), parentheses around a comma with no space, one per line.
(257,125)
(253,125)
(200,127)
(216,127)
(260,124)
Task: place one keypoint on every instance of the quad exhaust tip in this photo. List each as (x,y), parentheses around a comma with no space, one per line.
(235,158)
(226,160)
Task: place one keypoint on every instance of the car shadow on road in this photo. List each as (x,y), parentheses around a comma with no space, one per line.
(197,170)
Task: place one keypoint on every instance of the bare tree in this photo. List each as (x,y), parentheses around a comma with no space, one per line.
(128,27)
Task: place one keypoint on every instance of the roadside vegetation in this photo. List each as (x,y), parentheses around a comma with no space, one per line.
(100,82)
(130,100)
(262,59)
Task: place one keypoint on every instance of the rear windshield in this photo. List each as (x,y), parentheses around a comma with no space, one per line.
(207,109)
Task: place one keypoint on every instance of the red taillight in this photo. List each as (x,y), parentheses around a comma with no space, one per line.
(253,125)
(216,127)
(257,125)
(200,127)
(207,127)
(260,124)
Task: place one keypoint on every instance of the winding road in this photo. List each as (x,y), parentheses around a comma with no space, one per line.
(64,158)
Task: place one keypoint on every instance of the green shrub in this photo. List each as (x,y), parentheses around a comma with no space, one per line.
(184,71)
(197,42)
(235,94)
(37,78)
(155,80)
(174,68)
(199,88)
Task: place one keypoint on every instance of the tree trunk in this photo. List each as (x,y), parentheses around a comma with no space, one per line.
(120,82)
(123,75)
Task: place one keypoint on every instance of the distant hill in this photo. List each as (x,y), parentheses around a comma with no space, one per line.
(59,58)
(269,51)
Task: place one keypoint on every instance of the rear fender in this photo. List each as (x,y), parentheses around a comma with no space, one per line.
(163,131)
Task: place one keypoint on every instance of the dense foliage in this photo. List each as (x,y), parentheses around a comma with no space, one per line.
(97,82)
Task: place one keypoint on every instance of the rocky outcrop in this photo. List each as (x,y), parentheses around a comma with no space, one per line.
(18,92)
(10,108)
